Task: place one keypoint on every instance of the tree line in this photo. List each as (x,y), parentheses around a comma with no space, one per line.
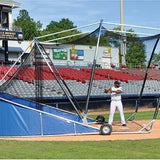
(31,28)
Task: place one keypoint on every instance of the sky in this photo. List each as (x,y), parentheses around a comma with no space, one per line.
(83,12)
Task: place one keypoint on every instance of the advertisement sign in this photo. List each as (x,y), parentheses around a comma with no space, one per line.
(11,35)
(76,54)
(107,52)
(60,54)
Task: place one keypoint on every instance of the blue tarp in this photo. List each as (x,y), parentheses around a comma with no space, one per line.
(16,120)
(44,108)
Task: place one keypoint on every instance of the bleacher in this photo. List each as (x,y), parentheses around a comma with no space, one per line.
(78,81)
(80,75)
(153,74)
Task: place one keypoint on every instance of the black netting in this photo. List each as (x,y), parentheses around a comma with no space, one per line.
(40,78)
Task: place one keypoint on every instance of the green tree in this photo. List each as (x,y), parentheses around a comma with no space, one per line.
(30,28)
(108,39)
(135,49)
(63,24)
(135,53)
(155,58)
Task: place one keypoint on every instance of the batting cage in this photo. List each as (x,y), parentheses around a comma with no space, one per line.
(25,88)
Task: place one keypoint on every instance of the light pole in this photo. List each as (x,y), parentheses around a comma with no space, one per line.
(123,40)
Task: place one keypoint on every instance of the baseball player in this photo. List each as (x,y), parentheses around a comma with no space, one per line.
(116,102)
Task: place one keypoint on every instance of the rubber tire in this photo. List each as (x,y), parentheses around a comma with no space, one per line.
(105,129)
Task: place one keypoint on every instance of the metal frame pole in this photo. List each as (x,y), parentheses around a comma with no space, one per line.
(66,30)
(67,37)
(134,26)
(92,73)
(117,31)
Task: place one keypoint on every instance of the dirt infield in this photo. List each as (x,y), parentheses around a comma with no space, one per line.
(155,133)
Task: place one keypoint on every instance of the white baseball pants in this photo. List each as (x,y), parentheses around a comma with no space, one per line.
(113,106)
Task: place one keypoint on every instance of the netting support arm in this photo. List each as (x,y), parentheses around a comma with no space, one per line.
(140,97)
(1,81)
(58,81)
(144,81)
(75,100)
(92,74)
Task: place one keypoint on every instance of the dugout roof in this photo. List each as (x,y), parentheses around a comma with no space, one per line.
(10,3)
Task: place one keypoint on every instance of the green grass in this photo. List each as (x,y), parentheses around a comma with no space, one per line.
(121,149)
(139,116)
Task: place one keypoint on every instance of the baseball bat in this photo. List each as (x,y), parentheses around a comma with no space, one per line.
(109,80)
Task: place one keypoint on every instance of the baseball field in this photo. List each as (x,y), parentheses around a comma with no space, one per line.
(89,148)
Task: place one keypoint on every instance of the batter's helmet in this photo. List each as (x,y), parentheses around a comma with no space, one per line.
(117,82)
(100,119)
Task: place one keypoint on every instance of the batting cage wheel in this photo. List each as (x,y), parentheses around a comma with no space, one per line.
(100,119)
(106,129)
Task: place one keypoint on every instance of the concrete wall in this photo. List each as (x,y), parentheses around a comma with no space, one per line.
(105,57)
